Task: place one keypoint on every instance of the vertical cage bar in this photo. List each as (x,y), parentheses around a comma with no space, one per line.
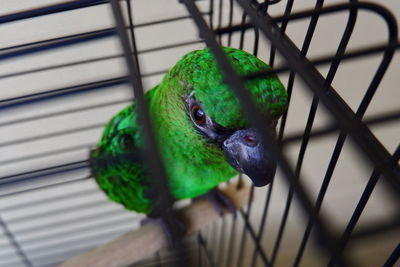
(334,103)
(314,105)
(230,20)
(303,52)
(221,245)
(18,249)
(329,242)
(159,177)
(360,207)
(203,244)
(393,258)
(232,242)
(220,7)
(261,228)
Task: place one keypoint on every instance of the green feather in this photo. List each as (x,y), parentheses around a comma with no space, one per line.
(193,165)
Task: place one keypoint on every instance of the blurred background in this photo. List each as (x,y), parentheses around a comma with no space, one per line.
(54,102)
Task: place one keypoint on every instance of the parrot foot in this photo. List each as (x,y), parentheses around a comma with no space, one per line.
(172,228)
(220,201)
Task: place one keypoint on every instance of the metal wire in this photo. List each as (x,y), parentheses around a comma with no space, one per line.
(71,90)
(237,86)
(15,244)
(304,143)
(218,247)
(51,9)
(360,207)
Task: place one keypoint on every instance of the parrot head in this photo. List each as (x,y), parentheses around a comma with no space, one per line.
(212,110)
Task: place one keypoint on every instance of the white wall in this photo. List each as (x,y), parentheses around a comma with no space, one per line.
(350,82)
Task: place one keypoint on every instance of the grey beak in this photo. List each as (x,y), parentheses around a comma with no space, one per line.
(245,152)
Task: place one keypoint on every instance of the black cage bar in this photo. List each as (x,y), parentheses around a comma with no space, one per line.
(242,240)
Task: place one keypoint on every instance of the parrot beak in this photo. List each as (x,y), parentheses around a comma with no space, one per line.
(245,152)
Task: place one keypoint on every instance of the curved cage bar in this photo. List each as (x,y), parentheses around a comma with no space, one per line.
(58,89)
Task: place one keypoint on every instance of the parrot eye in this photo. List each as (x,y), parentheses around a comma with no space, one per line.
(198,114)
(126,141)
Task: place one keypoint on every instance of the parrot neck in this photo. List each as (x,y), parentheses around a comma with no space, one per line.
(193,165)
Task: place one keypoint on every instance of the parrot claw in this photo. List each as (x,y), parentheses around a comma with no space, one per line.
(172,228)
(220,201)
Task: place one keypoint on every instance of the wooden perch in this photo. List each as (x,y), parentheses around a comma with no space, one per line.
(147,240)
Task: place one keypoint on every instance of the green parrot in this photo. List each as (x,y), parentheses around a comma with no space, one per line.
(203,136)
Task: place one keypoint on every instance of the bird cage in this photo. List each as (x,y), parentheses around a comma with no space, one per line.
(67,67)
